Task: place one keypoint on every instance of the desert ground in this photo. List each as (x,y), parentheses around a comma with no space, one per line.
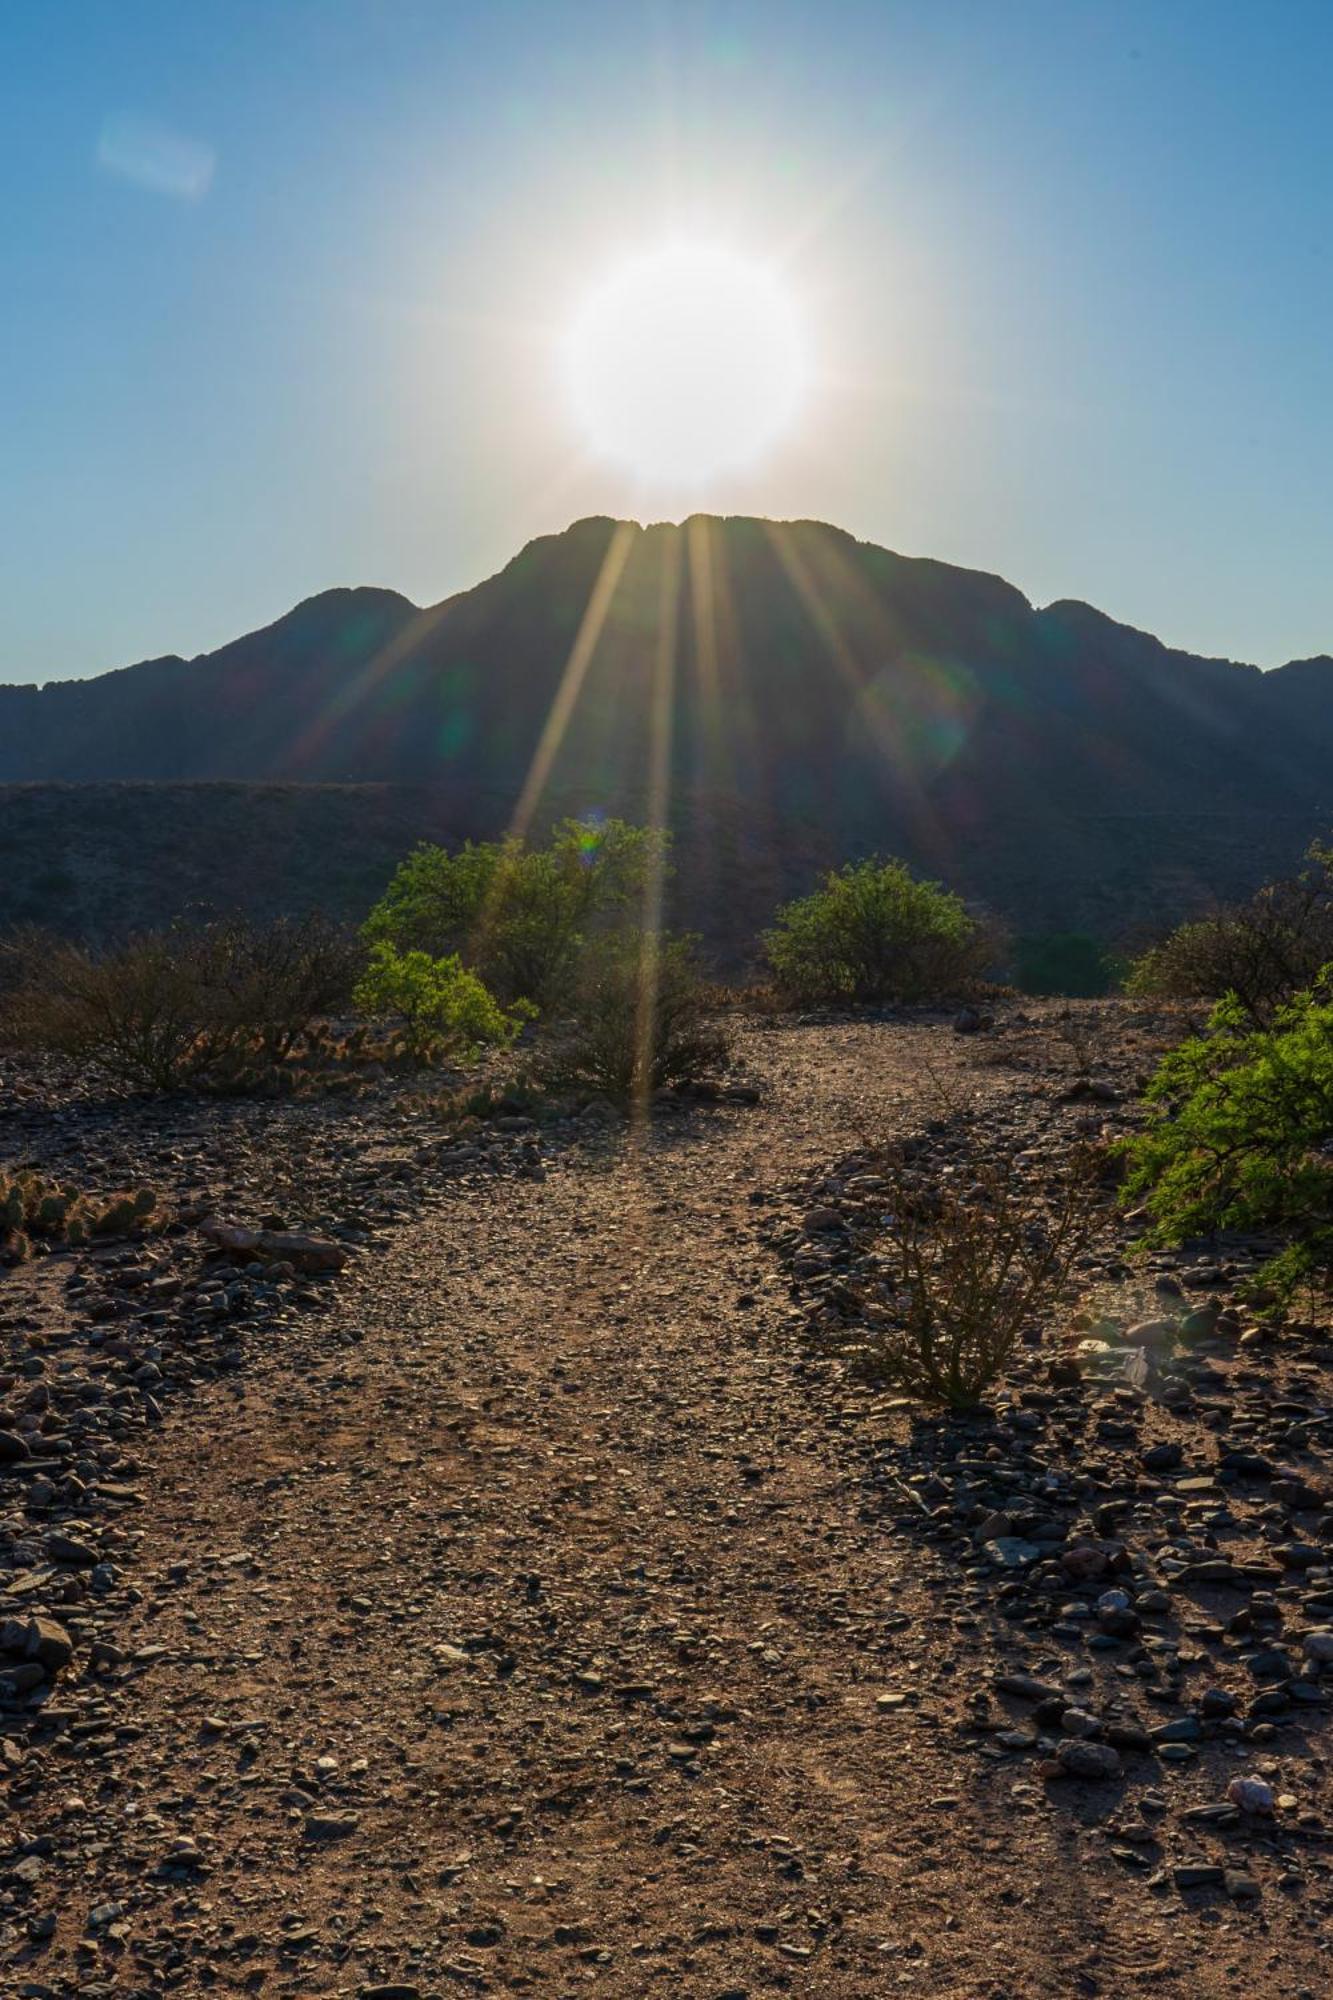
(540,1604)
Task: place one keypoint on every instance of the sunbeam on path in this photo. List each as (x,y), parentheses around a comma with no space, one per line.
(661,713)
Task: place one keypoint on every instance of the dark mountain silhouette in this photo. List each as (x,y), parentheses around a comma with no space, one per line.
(800,696)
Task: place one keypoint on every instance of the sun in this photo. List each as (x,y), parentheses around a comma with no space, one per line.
(685,362)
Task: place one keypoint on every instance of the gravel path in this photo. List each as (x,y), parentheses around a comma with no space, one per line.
(535,1639)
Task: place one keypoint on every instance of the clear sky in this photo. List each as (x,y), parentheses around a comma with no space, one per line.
(284,285)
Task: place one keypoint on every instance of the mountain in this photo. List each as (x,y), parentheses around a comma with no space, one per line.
(800,696)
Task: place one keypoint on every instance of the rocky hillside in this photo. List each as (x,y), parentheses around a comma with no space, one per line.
(811,697)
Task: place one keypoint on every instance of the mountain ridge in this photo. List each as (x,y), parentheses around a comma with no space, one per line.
(765,685)
(341,592)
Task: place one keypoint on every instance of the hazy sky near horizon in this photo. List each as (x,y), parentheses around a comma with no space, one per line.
(285,282)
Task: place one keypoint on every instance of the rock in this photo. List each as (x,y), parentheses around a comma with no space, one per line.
(1161,1457)
(65,1549)
(1240,1885)
(1153,1333)
(1300,1555)
(331,1826)
(1318,1645)
(304,1253)
(1197,1875)
(1095,1762)
(1252,1795)
(1026,1687)
(48,1643)
(1084,1562)
(1008,1552)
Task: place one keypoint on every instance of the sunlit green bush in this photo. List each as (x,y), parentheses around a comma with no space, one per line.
(443,1008)
(875,933)
(1243,1136)
(520,916)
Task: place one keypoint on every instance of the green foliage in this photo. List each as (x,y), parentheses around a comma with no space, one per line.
(1067,963)
(445,1009)
(640,1021)
(1243,1138)
(519,916)
(875,933)
(1263,951)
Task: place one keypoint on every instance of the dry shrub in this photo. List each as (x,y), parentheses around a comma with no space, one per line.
(1264,951)
(173,1008)
(641,1022)
(965,1265)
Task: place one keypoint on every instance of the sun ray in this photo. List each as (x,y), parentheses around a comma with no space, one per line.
(661,717)
(571,680)
(879,726)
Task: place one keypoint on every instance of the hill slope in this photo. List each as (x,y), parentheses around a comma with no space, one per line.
(800,695)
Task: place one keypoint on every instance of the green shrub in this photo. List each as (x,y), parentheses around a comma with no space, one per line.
(520,916)
(444,1008)
(640,1021)
(875,933)
(1243,1137)
(1067,963)
(1263,951)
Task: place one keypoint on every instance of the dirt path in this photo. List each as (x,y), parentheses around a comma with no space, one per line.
(533,1643)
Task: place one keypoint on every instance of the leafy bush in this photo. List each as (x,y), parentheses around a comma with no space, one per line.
(519,916)
(1244,1134)
(876,933)
(1067,963)
(640,1021)
(444,1008)
(1263,951)
(173,1008)
(964,1267)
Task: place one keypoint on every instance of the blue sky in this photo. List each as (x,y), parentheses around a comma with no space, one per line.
(283,284)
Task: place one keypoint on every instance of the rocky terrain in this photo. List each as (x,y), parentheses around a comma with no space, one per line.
(532,1601)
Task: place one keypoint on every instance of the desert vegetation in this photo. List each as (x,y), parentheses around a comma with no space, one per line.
(215,1006)
(962,1268)
(874,932)
(521,916)
(35,1209)
(1242,1137)
(1262,950)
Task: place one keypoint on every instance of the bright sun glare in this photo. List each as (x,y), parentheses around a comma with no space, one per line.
(686,362)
